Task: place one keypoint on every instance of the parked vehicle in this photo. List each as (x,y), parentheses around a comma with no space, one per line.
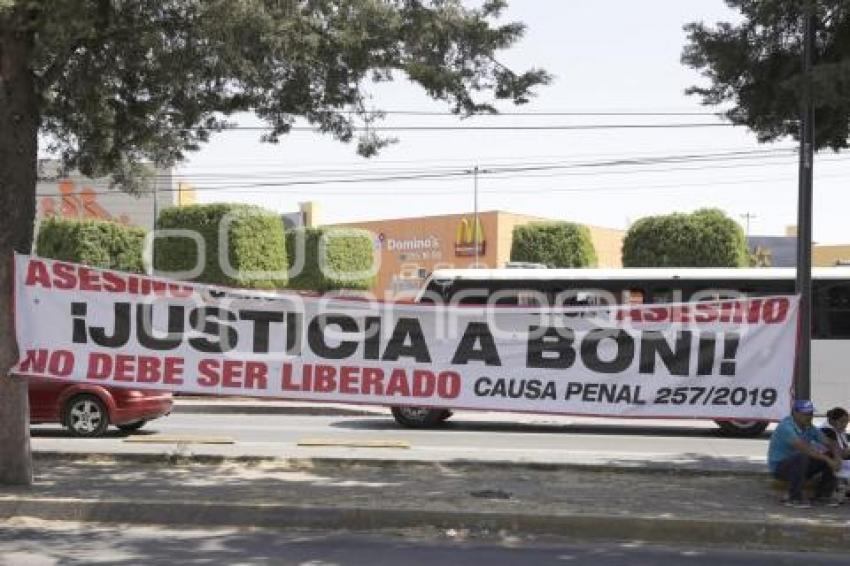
(87,410)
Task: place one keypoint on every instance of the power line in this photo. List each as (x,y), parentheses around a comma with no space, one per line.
(353,176)
(563,127)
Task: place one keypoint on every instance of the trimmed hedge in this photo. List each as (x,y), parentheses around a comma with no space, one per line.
(255,244)
(706,238)
(347,253)
(98,243)
(556,244)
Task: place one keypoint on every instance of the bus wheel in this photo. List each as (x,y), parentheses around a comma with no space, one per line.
(741,429)
(419,417)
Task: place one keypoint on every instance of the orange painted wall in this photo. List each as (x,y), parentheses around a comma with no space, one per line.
(411,248)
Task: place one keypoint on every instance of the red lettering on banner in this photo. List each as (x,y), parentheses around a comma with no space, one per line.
(234,374)
(398,384)
(207,376)
(63,276)
(112,283)
(325,379)
(448,385)
(135,369)
(348,380)
(35,362)
(775,310)
(89,280)
(424,383)
(373,381)
(256,375)
(37,275)
(100,366)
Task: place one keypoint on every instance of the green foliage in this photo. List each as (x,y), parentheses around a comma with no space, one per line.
(556,244)
(170,72)
(756,65)
(92,242)
(706,238)
(347,255)
(255,245)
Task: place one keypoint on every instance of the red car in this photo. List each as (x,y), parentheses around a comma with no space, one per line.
(87,410)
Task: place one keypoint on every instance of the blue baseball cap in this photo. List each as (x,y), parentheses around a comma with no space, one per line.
(803,406)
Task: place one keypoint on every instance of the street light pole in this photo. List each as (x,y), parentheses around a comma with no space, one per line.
(802,381)
(748,217)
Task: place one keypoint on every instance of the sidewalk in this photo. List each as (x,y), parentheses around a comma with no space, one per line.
(472,498)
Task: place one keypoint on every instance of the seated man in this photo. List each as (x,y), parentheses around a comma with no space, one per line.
(836,429)
(794,455)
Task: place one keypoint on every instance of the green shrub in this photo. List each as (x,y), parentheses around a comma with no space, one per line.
(556,244)
(706,238)
(348,254)
(255,242)
(98,243)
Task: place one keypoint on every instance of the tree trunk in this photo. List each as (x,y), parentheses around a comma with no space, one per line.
(18,165)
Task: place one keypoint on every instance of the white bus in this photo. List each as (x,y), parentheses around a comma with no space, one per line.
(577,287)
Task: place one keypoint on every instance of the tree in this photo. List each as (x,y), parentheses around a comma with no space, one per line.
(114,83)
(756,65)
(706,238)
(556,244)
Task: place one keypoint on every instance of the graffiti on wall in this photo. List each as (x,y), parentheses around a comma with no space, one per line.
(74,203)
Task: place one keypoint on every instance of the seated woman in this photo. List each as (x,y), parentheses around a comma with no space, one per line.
(835,428)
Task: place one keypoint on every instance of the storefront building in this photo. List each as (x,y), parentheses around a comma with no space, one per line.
(411,248)
(77,196)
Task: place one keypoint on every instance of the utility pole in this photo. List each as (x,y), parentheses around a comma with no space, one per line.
(802,381)
(747,218)
(475,220)
(475,171)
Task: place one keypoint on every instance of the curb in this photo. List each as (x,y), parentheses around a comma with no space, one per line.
(797,535)
(257,409)
(171,459)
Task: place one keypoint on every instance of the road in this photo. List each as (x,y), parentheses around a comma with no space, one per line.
(466,436)
(30,542)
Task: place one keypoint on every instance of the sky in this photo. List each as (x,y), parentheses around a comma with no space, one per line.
(607,56)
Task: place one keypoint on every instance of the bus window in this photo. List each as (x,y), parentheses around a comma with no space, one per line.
(584,298)
(633,297)
(837,305)
(519,297)
(662,296)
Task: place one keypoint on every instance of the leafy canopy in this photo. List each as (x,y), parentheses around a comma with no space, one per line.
(705,238)
(756,65)
(555,244)
(124,81)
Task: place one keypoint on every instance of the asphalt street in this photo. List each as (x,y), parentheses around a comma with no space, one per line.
(466,436)
(33,542)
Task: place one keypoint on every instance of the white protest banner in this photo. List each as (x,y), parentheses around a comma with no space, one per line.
(727,359)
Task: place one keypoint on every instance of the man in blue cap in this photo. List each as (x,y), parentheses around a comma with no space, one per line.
(799,451)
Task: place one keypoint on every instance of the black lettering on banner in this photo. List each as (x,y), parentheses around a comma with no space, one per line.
(372,342)
(144,328)
(705,357)
(316,336)
(262,322)
(208,320)
(78,327)
(620,362)
(121,332)
(293,333)
(653,345)
(475,333)
(552,349)
(486,383)
(397,346)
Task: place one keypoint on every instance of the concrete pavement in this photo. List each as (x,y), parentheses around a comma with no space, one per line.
(611,504)
(697,499)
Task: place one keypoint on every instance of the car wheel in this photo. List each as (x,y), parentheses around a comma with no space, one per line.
(419,417)
(741,429)
(131,427)
(86,416)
